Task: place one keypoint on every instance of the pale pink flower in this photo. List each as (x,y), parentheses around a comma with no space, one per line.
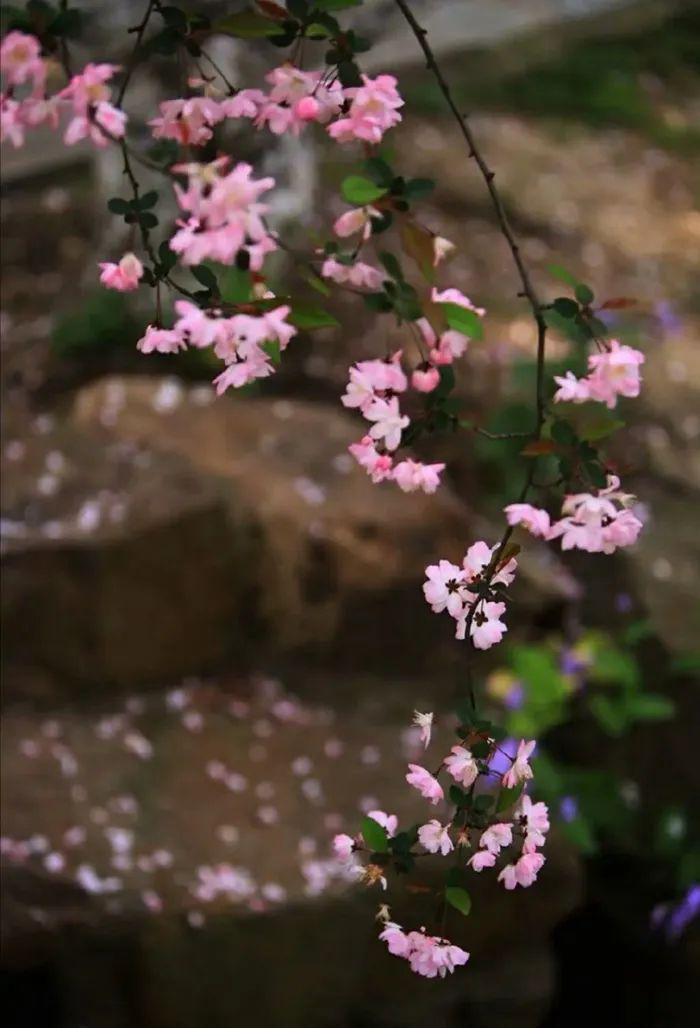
(441,590)
(431,956)
(354,221)
(412,475)
(534,519)
(435,837)
(426,784)
(454,296)
(425,380)
(124,276)
(377,465)
(12,124)
(160,340)
(396,939)
(425,723)
(615,372)
(481,859)
(343,846)
(388,421)
(389,822)
(21,61)
(245,104)
(496,836)
(188,121)
(462,766)
(359,275)
(486,629)
(520,770)
(373,109)
(478,558)
(524,872)
(571,389)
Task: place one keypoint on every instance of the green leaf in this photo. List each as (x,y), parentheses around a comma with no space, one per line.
(308,317)
(248,25)
(379,171)
(566,307)
(508,797)
(457,796)
(463,320)
(610,716)
(206,277)
(458,898)
(418,188)
(236,285)
(584,294)
(379,302)
(272,348)
(361,191)
(374,835)
(562,275)
(392,265)
(335,5)
(118,206)
(649,706)
(149,199)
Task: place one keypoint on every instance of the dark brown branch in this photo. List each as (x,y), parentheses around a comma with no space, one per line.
(528,289)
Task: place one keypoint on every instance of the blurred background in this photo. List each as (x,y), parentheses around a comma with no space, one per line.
(214,634)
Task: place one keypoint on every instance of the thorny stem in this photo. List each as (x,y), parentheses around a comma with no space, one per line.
(528,291)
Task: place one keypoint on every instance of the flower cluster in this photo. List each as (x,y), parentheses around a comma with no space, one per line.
(613,372)
(373,389)
(427,955)
(470,593)
(86,98)
(478,832)
(239,340)
(599,523)
(224,216)
(294,99)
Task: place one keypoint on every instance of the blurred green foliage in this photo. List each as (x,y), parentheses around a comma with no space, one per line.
(601,82)
(596,685)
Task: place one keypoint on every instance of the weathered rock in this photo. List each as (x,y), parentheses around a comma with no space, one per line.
(306,954)
(175,530)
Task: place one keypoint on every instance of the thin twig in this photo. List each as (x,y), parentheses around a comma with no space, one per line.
(488,175)
(133,60)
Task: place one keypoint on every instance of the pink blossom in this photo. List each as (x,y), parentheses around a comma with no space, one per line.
(571,389)
(412,475)
(426,784)
(462,766)
(534,519)
(188,121)
(378,466)
(21,61)
(307,109)
(388,421)
(431,956)
(425,380)
(496,836)
(356,220)
(441,590)
(359,275)
(245,104)
(425,723)
(481,859)
(124,276)
(373,109)
(343,846)
(396,939)
(434,836)
(478,559)
(524,872)
(12,124)
(454,296)
(615,372)
(389,822)
(160,340)
(486,629)
(520,770)
(535,817)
